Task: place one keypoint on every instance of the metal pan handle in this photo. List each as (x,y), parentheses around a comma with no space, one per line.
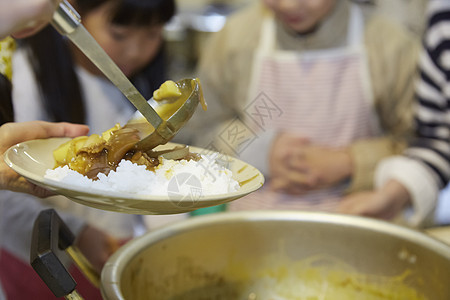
(51,238)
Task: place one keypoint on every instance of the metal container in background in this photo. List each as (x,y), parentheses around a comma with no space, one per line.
(188,31)
(192,259)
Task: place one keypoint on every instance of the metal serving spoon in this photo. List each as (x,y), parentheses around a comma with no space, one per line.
(68,23)
(175,113)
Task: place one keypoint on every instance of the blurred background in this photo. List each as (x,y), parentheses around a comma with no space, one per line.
(196,20)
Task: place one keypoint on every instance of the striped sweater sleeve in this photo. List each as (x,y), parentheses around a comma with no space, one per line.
(432,145)
(424,168)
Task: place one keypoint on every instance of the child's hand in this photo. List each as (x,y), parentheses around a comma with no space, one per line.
(13,133)
(386,203)
(299,166)
(23,18)
(282,175)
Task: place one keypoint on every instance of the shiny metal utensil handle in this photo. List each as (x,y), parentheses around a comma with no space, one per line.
(68,22)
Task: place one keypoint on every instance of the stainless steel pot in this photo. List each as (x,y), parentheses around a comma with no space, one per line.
(222,256)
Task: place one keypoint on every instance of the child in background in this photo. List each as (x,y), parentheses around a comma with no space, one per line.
(53,81)
(414,179)
(311,92)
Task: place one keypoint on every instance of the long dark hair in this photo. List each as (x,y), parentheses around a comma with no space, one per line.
(54,66)
(6,107)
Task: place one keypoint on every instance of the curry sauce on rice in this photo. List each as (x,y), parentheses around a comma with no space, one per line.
(102,153)
(111,162)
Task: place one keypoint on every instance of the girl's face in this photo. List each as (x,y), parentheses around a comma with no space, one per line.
(301,16)
(130,47)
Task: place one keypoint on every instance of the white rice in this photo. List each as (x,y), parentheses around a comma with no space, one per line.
(205,176)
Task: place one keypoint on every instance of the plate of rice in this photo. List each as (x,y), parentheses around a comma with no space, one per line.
(173,186)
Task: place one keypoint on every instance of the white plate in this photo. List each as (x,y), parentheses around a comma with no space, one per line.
(33,158)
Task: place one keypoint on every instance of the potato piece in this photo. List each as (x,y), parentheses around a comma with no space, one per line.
(93,144)
(76,144)
(79,142)
(167,90)
(80,163)
(107,134)
(67,151)
(60,153)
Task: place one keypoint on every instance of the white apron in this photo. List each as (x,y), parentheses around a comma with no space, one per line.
(323,95)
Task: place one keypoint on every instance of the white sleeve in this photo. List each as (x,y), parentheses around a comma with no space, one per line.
(417,179)
(26,97)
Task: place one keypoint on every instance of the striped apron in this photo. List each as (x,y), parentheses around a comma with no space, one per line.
(324,96)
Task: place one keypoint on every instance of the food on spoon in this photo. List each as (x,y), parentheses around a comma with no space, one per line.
(167,101)
(171,96)
(167,90)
